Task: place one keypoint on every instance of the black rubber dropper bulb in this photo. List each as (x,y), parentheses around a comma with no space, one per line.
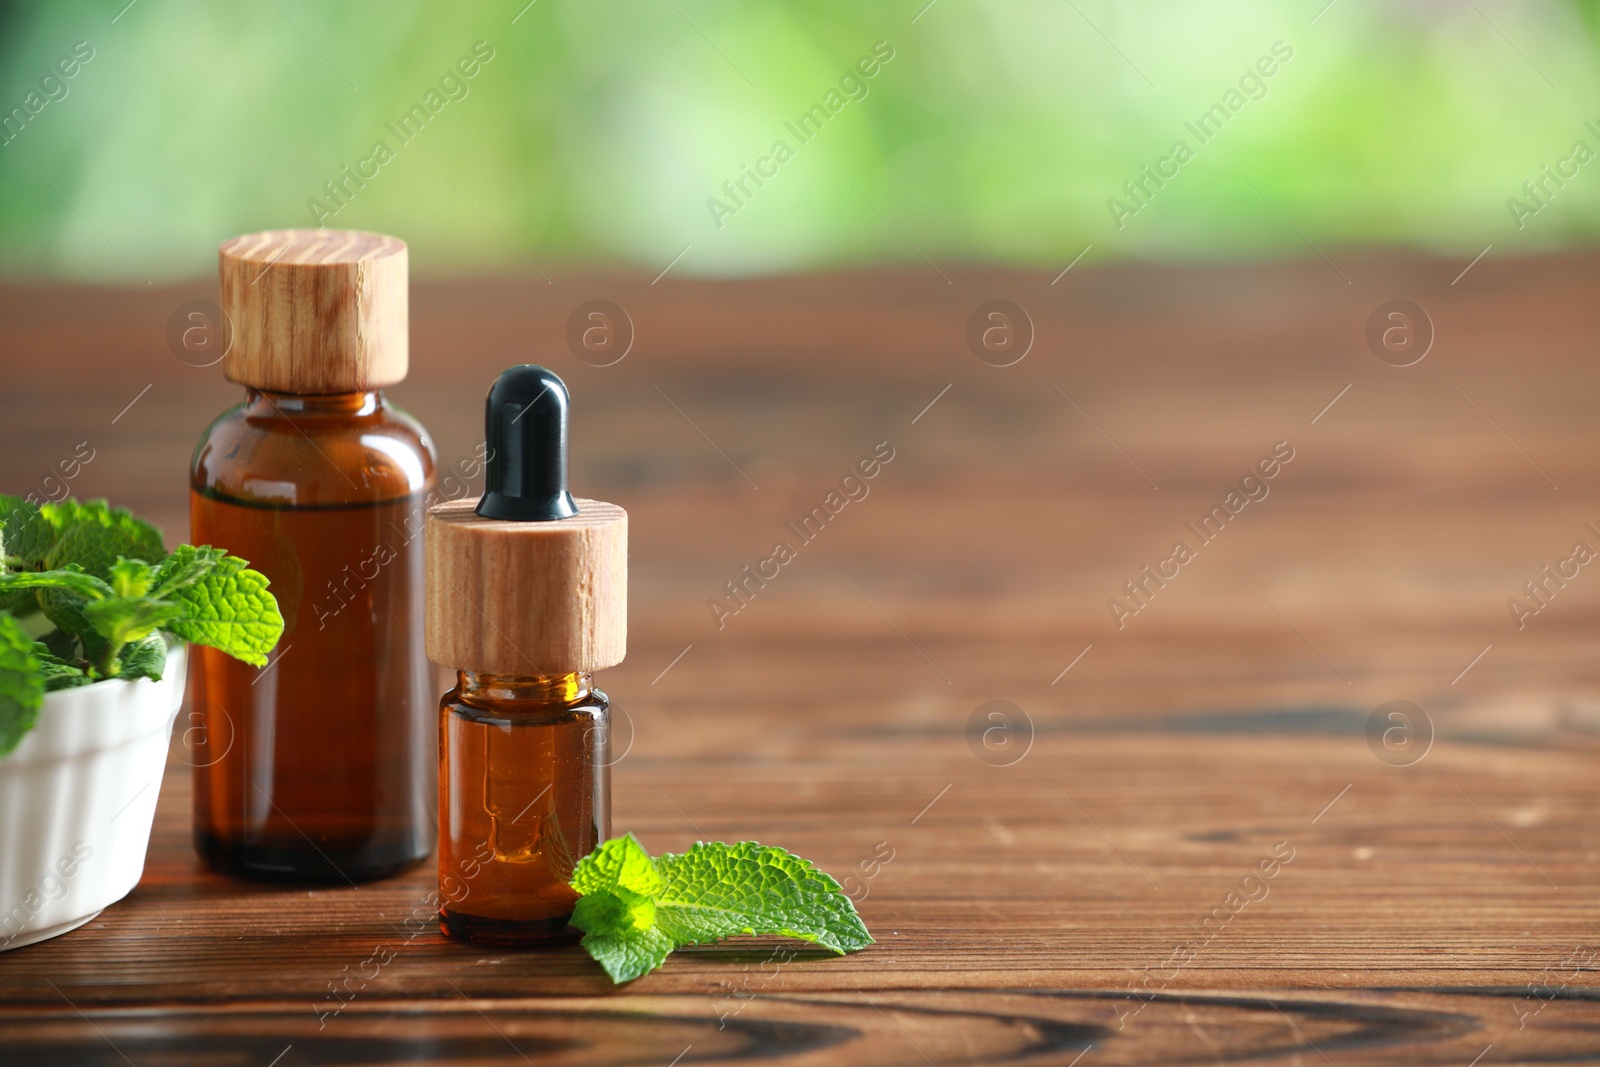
(525,429)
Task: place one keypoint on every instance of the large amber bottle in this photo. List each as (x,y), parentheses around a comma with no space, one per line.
(321,766)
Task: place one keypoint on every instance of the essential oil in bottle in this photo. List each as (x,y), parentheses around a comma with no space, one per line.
(527,593)
(320,766)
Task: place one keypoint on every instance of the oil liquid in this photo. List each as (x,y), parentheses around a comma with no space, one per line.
(318,767)
(524,794)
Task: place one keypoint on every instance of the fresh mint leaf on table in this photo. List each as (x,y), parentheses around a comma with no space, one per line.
(111,588)
(634,910)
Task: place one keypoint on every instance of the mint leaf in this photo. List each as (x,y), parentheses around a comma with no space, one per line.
(621,863)
(25,539)
(230,609)
(143,659)
(28,535)
(626,954)
(70,580)
(93,535)
(62,645)
(186,565)
(19,602)
(715,890)
(57,672)
(634,910)
(21,684)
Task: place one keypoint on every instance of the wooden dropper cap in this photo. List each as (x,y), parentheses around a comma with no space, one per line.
(315,311)
(526,580)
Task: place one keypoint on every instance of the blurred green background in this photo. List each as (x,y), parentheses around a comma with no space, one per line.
(599,131)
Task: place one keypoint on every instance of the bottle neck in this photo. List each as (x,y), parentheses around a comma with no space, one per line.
(356,403)
(478,687)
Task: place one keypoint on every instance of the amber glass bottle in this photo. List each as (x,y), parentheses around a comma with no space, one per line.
(527,597)
(523,795)
(320,766)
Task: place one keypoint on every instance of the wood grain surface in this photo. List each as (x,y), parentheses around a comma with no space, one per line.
(1080,881)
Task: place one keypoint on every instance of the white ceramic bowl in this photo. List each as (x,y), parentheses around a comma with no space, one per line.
(77,798)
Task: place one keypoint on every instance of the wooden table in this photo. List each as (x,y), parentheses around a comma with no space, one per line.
(1048,893)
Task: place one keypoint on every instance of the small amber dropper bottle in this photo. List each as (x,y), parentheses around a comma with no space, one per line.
(526,597)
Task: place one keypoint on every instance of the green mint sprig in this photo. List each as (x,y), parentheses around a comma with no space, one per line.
(112,590)
(634,910)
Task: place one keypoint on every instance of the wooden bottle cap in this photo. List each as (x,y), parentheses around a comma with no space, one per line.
(527,598)
(315,311)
